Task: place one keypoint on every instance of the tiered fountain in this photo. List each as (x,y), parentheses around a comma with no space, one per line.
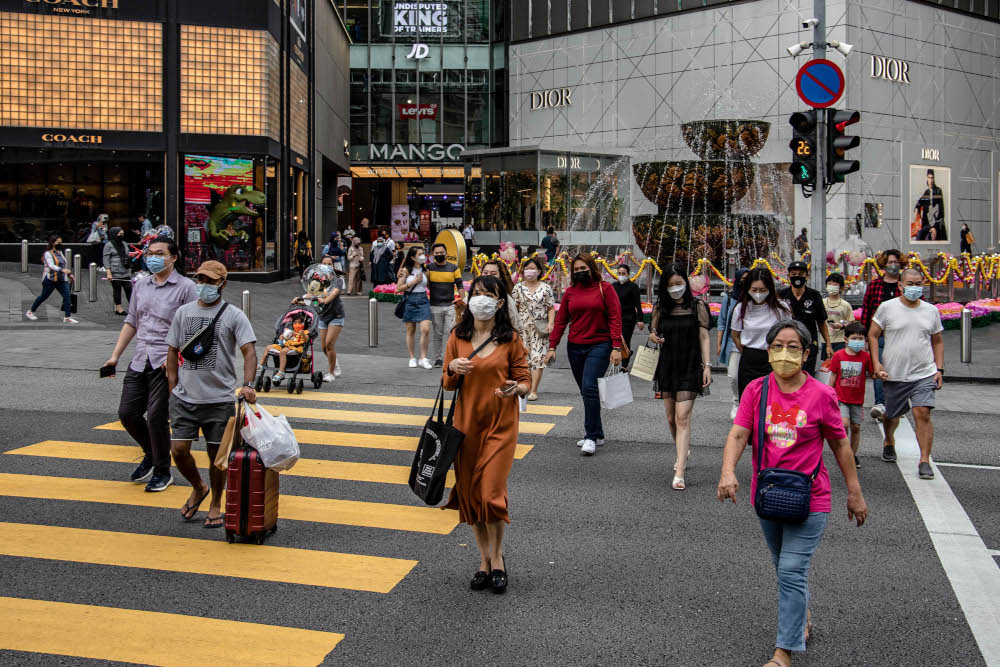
(696,198)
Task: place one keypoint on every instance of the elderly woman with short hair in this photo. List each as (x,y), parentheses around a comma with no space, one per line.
(800,413)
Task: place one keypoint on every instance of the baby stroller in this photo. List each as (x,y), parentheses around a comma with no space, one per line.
(296,363)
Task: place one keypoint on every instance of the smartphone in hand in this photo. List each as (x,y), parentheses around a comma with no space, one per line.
(107,371)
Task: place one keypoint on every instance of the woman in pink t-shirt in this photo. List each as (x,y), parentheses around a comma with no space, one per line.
(801,413)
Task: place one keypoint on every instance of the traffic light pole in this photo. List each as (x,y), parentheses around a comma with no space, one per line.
(817,242)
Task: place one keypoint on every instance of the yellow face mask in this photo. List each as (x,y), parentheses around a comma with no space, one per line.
(785,363)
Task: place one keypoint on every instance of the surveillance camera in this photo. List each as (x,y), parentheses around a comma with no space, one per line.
(810,23)
(795,49)
(842,47)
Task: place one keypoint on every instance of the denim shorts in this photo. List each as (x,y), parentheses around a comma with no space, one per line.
(417,307)
(326,324)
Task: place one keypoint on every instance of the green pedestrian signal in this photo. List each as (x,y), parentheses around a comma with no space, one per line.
(803,145)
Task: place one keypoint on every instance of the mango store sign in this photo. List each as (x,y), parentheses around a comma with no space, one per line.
(415,152)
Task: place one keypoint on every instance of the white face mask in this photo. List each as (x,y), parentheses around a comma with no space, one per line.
(676,291)
(833,290)
(759,297)
(531,274)
(483,307)
(420,259)
(623,279)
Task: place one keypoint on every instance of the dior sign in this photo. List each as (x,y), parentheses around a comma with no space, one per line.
(930,154)
(551,99)
(890,69)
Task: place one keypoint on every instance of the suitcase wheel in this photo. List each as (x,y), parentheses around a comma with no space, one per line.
(230,536)
(317,379)
(267,383)
(259,537)
(298,387)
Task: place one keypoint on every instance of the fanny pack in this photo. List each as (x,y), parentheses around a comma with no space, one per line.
(201,343)
(782,495)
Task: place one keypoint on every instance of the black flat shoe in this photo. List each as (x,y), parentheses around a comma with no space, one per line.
(481,581)
(498,581)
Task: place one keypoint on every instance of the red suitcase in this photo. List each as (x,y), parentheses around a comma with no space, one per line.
(251,497)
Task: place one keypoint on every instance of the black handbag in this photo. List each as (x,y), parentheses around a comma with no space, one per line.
(438,446)
(782,495)
(401,307)
(201,343)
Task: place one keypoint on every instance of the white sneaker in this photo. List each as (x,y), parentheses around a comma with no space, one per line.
(588,448)
(599,442)
(328,377)
(31,316)
(336,370)
(732,413)
(413,363)
(70,320)
(426,363)
(878,412)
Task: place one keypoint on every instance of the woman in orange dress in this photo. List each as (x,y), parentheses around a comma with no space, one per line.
(487,412)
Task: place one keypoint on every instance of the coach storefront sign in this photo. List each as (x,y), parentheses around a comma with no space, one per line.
(551,99)
(416,152)
(890,69)
(59,138)
(79,7)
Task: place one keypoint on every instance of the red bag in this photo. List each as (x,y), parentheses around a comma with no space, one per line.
(251,497)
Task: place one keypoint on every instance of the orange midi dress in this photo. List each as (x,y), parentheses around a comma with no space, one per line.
(490,425)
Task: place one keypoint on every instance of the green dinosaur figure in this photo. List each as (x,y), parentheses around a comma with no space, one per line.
(224,211)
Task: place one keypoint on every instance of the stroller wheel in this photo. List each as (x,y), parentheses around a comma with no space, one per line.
(259,384)
(291,385)
(267,383)
(298,387)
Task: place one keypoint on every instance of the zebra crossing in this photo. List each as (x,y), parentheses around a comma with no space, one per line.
(334,447)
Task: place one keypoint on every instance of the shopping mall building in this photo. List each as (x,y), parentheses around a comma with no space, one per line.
(623,76)
(226,120)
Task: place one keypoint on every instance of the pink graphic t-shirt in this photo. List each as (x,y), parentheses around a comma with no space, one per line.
(797,425)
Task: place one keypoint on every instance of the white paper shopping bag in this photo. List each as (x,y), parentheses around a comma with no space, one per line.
(614,389)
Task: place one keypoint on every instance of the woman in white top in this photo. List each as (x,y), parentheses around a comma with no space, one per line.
(55,276)
(759,309)
(411,282)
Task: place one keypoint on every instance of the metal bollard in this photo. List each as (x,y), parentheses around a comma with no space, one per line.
(650,274)
(77,272)
(372,323)
(24,256)
(966,346)
(246,303)
(92,283)
(69,259)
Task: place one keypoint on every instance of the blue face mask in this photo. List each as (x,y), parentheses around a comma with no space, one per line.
(155,263)
(913,292)
(208,293)
(856,345)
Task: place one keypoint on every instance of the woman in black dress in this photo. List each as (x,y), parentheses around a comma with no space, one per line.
(684,371)
(631,301)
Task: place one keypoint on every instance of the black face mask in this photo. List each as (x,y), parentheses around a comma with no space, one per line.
(440,259)
(797,281)
(581,277)
(57,245)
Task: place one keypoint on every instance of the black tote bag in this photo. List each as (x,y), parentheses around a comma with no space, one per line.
(438,446)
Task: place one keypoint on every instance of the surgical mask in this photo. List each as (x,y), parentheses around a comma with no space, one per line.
(759,297)
(207,293)
(856,345)
(298,326)
(676,291)
(892,269)
(913,292)
(420,259)
(440,259)
(785,363)
(531,274)
(797,281)
(581,277)
(156,263)
(833,290)
(483,307)
(623,279)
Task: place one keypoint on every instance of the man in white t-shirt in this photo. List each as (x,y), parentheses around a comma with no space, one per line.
(912,364)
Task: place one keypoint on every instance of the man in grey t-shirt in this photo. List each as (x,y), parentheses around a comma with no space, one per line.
(203,390)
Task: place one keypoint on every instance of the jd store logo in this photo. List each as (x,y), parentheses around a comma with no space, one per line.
(419,51)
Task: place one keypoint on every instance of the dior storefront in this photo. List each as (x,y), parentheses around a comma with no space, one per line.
(623,76)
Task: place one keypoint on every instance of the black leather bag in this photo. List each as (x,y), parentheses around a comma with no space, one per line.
(401,307)
(782,495)
(201,343)
(438,446)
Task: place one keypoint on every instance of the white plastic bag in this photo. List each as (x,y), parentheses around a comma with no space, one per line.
(272,437)
(614,389)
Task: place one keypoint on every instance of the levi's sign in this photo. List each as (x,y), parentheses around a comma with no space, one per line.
(415,152)
(408,111)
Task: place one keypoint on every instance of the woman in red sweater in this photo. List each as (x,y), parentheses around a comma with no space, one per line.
(594,316)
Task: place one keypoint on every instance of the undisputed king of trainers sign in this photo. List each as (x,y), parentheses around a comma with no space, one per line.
(423,19)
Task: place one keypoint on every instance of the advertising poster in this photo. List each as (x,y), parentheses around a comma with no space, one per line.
(297,16)
(400,221)
(425,223)
(343,192)
(421,20)
(222,213)
(930,204)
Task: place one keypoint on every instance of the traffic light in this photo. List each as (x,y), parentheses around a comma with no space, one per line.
(803,145)
(837,145)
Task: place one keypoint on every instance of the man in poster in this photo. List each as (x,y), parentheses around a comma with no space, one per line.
(929,209)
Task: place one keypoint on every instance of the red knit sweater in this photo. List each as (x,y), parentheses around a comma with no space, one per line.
(595,319)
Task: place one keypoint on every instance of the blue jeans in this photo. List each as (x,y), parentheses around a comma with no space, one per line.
(878,386)
(792,546)
(49,286)
(589,363)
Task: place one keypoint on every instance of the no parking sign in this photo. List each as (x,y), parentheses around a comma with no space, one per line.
(820,83)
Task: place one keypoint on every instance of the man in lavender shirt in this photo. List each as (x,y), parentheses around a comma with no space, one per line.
(154,301)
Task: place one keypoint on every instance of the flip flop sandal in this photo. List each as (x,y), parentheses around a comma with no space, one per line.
(215,522)
(188,512)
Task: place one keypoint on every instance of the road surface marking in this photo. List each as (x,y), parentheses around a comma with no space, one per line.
(398,401)
(401,443)
(967,465)
(384,418)
(995,553)
(110,634)
(972,572)
(298,508)
(355,472)
(214,557)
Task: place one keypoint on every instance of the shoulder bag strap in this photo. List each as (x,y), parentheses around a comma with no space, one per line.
(761,420)
(461,381)
(215,320)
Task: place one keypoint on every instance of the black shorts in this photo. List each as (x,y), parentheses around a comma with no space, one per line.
(186,418)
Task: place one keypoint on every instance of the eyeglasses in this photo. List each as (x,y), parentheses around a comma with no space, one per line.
(778,347)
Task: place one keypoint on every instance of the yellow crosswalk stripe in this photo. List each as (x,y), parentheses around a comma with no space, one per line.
(356,472)
(299,508)
(399,401)
(108,633)
(213,557)
(386,418)
(305,436)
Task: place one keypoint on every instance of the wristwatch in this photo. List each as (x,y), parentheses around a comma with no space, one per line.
(249,384)
(941,371)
